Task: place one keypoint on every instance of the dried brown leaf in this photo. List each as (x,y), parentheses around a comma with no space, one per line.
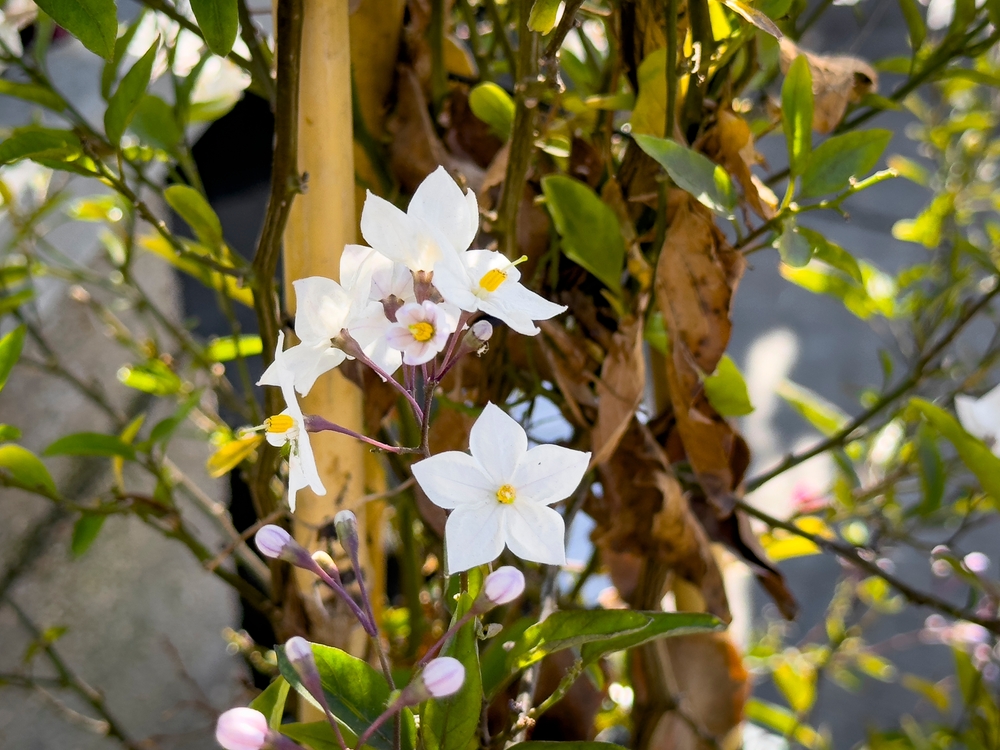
(838,80)
(620,387)
(730,143)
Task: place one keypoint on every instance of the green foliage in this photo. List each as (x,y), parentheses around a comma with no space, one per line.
(271,702)
(124,102)
(693,172)
(355,692)
(91,444)
(797,113)
(85,532)
(194,209)
(219,22)
(93,22)
(591,235)
(726,390)
(817,411)
(493,105)
(841,158)
(976,456)
(543,15)
(26,470)
(39,144)
(10,352)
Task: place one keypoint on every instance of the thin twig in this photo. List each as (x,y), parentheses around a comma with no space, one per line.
(220,558)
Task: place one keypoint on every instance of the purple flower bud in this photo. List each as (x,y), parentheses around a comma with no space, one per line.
(346,524)
(298,649)
(272,541)
(242,729)
(442,676)
(977,562)
(504,585)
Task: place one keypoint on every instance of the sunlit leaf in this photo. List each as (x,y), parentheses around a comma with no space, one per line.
(754,16)
(10,352)
(828,418)
(726,390)
(122,105)
(707,181)
(543,15)
(153,377)
(973,452)
(191,206)
(839,159)
(34,93)
(493,105)
(93,22)
(26,469)
(91,444)
(797,113)
(271,702)
(219,21)
(232,454)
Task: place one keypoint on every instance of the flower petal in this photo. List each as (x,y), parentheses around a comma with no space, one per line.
(452,280)
(358,263)
(968,415)
(322,307)
(535,532)
(498,443)
(453,479)
(514,305)
(388,230)
(440,203)
(549,473)
(474,535)
(307,464)
(308,361)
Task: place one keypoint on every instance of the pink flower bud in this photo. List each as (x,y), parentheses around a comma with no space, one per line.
(346,524)
(242,729)
(504,585)
(298,649)
(443,676)
(272,540)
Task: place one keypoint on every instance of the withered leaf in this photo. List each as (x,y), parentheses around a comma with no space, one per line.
(620,387)
(838,80)
(730,143)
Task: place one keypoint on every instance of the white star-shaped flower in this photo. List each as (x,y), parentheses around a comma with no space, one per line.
(501,494)
(981,417)
(289,428)
(421,331)
(488,281)
(440,221)
(323,309)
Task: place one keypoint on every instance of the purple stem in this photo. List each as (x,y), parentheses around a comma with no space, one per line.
(391,711)
(453,341)
(366,623)
(315,423)
(350,346)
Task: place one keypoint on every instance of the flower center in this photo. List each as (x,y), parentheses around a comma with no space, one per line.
(506,494)
(279,423)
(493,278)
(422,331)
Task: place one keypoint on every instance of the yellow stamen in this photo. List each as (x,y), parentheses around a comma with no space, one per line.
(506,494)
(493,278)
(422,331)
(279,423)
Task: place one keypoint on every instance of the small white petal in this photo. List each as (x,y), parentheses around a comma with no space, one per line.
(497,442)
(452,479)
(308,361)
(968,415)
(517,303)
(388,230)
(452,280)
(474,535)
(535,532)
(549,473)
(357,265)
(322,307)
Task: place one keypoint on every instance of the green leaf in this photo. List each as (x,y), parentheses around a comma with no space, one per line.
(831,254)
(661,625)
(726,390)
(973,452)
(9,432)
(191,206)
(794,247)
(39,143)
(543,15)
(591,235)
(932,472)
(10,303)
(85,531)
(110,72)
(164,429)
(10,351)
(553,745)
(649,114)
(816,410)
(219,21)
(355,692)
(753,16)
(914,23)
(90,444)
(26,469)
(452,723)
(693,172)
(93,22)
(784,722)
(876,295)
(271,702)
(493,105)
(155,124)
(152,377)
(318,735)
(228,348)
(797,113)
(840,158)
(131,89)
(31,92)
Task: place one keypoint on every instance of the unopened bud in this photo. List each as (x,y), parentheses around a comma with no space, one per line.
(346,524)
(242,729)
(272,541)
(477,336)
(442,677)
(298,649)
(323,559)
(503,585)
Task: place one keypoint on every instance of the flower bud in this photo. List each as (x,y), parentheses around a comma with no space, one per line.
(298,649)
(242,729)
(442,676)
(477,336)
(272,541)
(323,559)
(503,585)
(346,524)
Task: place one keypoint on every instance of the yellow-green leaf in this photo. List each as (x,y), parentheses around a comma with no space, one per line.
(232,454)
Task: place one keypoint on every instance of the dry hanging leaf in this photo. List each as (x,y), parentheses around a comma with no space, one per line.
(730,143)
(838,80)
(620,387)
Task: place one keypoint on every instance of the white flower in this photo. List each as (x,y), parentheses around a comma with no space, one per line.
(363,267)
(488,281)
(289,427)
(324,309)
(981,417)
(420,331)
(441,221)
(501,493)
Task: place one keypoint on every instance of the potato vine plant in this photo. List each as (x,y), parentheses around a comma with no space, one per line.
(561,198)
